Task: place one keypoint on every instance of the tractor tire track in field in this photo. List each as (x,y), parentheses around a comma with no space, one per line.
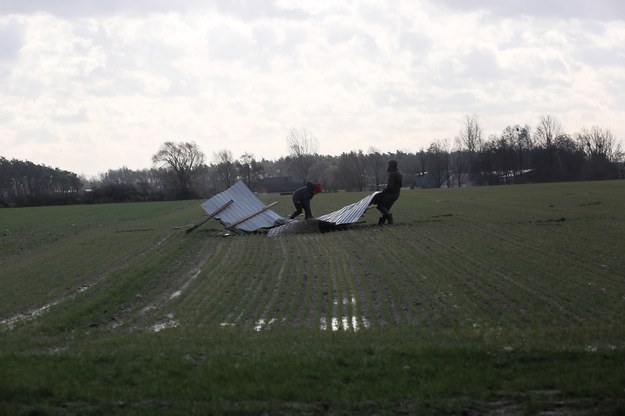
(271,308)
(89,284)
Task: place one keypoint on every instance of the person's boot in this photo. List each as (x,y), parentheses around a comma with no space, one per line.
(381,220)
(389,219)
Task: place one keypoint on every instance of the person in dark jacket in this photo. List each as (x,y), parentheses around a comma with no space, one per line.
(302,197)
(385,199)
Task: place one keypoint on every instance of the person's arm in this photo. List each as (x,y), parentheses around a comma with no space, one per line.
(390,184)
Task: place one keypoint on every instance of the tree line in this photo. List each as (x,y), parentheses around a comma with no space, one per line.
(25,183)
(518,154)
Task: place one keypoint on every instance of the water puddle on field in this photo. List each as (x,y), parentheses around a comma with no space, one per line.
(263,324)
(169,322)
(35,313)
(184,287)
(345,322)
(10,322)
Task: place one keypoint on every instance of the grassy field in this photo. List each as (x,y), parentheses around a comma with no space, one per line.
(493,300)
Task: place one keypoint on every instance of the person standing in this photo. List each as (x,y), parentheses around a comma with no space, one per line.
(301,199)
(385,199)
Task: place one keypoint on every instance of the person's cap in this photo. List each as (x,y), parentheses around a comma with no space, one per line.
(317,187)
(392,164)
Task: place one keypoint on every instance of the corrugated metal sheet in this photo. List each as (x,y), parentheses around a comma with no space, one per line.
(244,204)
(350,213)
(346,215)
(295,227)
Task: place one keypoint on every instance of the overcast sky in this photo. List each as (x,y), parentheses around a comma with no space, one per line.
(92,85)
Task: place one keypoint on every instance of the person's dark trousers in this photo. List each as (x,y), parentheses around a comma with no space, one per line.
(385,202)
(299,207)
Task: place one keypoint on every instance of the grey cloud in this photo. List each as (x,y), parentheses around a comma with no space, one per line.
(244,9)
(254,9)
(396,97)
(37,136)
(95,8)
(6,116)
(78,117)
(566,9)
(258,49)
(336,34)
(383,14)
(369,44)
(229,44)
(599,57)
(415,42)
(480,65)
(461,101)
(360,38)
(11,36)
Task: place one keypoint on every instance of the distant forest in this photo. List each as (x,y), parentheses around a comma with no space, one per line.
(517,155)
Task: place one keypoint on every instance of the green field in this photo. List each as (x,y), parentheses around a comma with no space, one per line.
(492,300)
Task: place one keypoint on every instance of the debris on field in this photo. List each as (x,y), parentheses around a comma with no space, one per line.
(238,209)
(296,227)
(349,214)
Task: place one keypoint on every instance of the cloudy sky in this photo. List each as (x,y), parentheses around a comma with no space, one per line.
(92,85)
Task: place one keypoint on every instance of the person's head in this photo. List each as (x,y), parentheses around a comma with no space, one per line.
(392,166)
(317,188)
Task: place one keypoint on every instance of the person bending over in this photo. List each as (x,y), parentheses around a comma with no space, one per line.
(302,197)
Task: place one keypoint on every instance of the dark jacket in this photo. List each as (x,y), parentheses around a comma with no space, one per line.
(393,183)
(302,197)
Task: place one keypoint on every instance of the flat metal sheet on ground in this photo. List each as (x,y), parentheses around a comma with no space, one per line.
(244,204)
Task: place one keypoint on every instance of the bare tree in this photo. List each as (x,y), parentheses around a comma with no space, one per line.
(471,138)
(422,158)
(546,137)
(598,143)
(547,131)
(439,161)
(303,148)
(458,161)
(602,153)
(226,170)
(244,166)
(518,138)
(183,158)
(352,170)
(376,165)
(249,169)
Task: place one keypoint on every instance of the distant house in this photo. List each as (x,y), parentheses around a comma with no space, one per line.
(515,177)
(458,180)
(277,185)
(450,179)
(424,181)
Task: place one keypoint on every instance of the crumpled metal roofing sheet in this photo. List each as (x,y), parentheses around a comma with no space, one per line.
(244,203)
(350,213)
(295,227)
(346,215)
